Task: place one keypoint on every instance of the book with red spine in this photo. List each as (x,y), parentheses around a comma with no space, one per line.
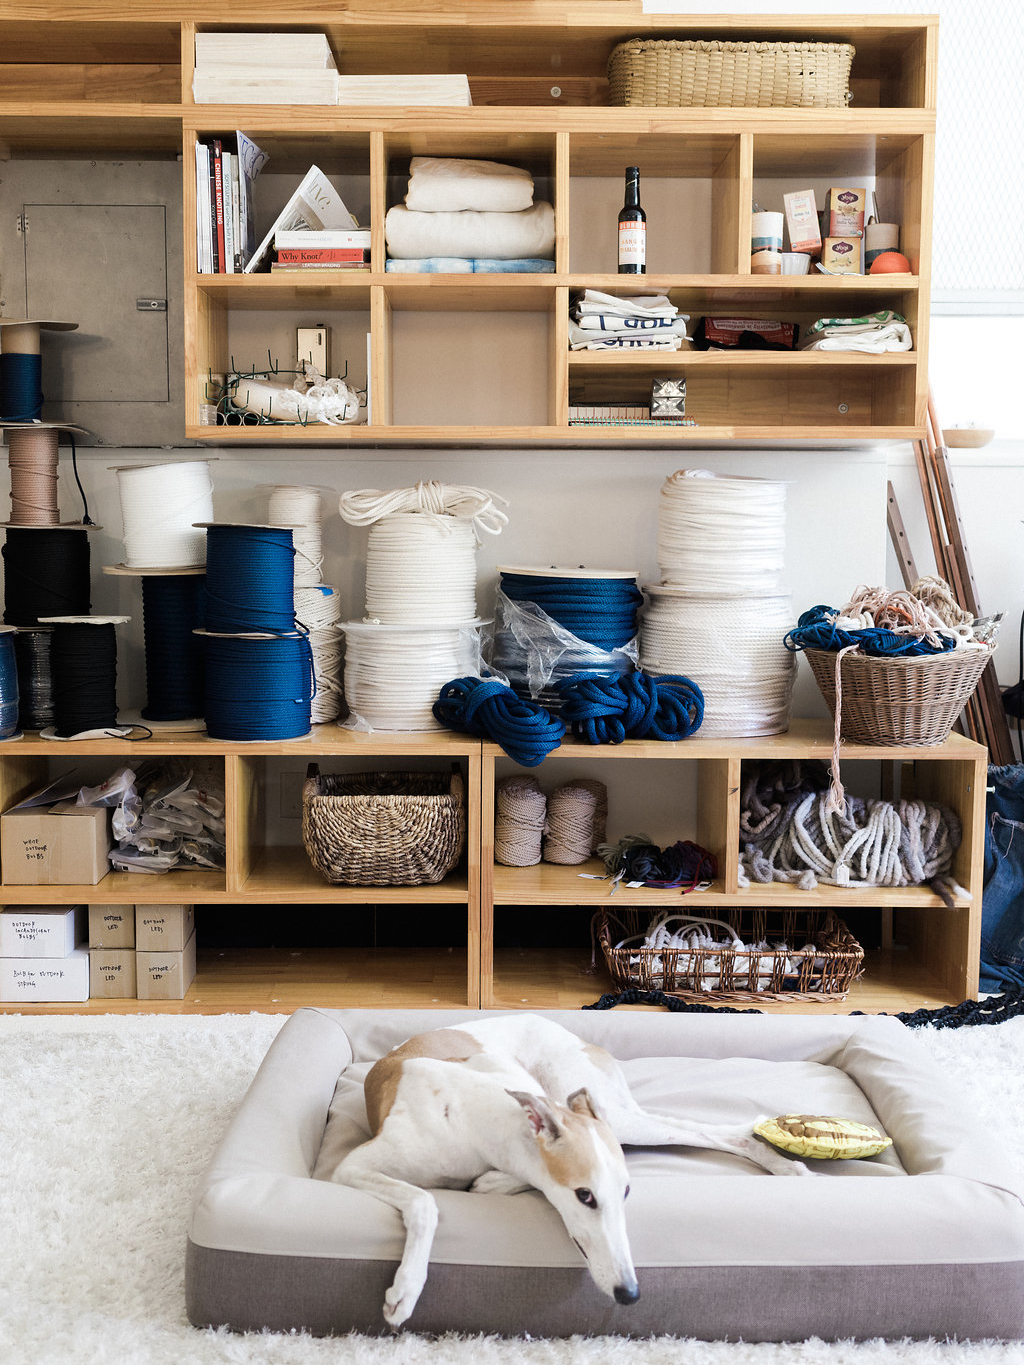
(321,255)
(218,203)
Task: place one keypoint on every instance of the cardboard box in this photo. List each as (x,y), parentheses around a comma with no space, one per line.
(41,930)
(111,926)
(166,975)
(112,973)
(163,928)
(841,255)
(54,842)
(844,213)
(802,221)
(45,980)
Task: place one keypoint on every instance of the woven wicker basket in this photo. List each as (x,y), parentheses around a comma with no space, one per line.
(898,701)
(696,74)
(383,829)
(726,973)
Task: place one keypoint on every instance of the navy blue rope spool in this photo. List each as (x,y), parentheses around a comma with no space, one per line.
(258,689)
(608,710)
(35,682)
(488,709)
(46,573)
(250,573)
(21,392)
(602,611)
(84,664)
(8,686)
(813,630)
(172,609)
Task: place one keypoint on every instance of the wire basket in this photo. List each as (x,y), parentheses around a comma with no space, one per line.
(383,829)
(910,700)
(693,73)
(728,972)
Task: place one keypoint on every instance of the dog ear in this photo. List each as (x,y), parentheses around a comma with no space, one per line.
(581,1103)
(539,1112)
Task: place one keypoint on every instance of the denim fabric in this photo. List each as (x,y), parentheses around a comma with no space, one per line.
(1002,916)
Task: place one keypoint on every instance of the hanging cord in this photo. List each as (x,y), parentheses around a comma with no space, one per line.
(21,386)
(258,689)
(86,518)
(46,574)
(721,535)
(475,505)
(160,505)
(172,609)
(610,710)
(35,680)
(84,664)
(489,709)
(249,580)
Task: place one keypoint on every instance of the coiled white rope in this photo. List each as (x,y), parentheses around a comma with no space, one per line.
(319,610)
(577,814)
(299,508)
(520,811)
(476,505)
(159,504)
(732,648)
(421,569)
(721,535)
(393,674)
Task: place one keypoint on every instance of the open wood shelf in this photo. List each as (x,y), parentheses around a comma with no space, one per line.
(286,876)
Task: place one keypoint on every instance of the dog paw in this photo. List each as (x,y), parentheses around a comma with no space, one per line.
(398,1304)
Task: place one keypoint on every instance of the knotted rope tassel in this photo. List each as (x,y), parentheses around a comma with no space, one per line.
(490,710)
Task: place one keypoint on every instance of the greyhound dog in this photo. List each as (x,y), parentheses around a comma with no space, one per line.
(507,1104)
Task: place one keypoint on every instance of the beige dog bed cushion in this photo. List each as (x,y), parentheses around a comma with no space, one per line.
(926,1239)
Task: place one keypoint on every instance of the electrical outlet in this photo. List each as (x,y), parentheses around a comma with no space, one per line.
(313,345)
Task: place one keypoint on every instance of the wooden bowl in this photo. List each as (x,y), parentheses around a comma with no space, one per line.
(967,438)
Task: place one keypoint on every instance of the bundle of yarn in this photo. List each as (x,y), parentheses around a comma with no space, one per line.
(638,861)
(719,614)
(565,827)
(788,833)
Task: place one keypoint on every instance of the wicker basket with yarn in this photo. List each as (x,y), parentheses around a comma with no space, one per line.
(903,700)
(693,73)
(383,829)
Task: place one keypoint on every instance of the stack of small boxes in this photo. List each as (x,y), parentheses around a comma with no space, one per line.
(42,957)
(144,952)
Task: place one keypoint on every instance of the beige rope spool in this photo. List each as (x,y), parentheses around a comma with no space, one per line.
(519,821)
(574,813)
(32,454)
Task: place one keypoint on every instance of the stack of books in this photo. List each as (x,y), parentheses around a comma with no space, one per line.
(264,68)
(328,249)
(225,171)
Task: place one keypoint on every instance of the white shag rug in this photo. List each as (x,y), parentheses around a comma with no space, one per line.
(107,1122)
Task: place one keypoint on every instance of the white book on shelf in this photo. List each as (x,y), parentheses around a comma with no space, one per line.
(264,49)
(255,85)
(251,160)
(356,238)
(316,204)
(229,213)
(204,238)
(405,90)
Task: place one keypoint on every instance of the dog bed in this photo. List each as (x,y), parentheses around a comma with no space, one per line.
(926,1239)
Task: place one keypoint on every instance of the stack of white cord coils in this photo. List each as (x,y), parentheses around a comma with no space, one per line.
(722,536)
(160,505)
(393,673)
(299,508)
(732,649)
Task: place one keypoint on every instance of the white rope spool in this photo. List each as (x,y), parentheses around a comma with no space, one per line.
(421,568)
(363,507)
(319,610)
(299,508)
(722,536)
(159,506)
(393,673)
(732,648)
(520,809)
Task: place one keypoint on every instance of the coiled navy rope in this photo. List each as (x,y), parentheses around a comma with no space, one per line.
(172,609)
(608,710)
(815,630)
(258,689)
(21,387)
(250,572)
(488,709)
(602,611)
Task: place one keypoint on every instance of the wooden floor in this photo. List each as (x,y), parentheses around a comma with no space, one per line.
(277,982)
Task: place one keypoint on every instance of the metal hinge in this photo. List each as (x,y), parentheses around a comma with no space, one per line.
(22,223)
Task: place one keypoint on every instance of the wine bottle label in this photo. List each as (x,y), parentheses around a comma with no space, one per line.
(632,243)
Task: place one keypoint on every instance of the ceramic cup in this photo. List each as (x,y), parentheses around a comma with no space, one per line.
(795,262)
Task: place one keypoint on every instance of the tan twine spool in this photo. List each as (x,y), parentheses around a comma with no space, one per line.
(32,455)
(577,815)
(519,821)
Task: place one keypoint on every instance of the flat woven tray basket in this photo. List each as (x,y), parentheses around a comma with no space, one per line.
(727,973)
(898,701)
(383,829)
(692,73)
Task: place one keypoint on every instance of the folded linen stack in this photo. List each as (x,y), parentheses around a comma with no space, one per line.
(605,322)
(478,211)
(875,333)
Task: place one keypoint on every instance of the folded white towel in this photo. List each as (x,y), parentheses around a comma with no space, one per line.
(449,184)
(503,236)
(579,340)
(636,305)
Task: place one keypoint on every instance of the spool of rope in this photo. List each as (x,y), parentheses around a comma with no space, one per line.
(480,508)
(299,508)
(393,673)
(249,579)
(733,650)
(318,610)
(35,681)
(32,455)
(257,687)
(520,808)
(46,573)
(421,569)
(173,608)
(575,823)
(160,506)
(488,709)
(721,536)
(83,660)
(21,372)
(9,695)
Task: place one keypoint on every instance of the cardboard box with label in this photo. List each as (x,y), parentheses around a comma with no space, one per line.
(844,212)
(45,980)
(166,975)
(41,930)
(160,928)
(48,840)
(111,926)
(112,973)
(841,255)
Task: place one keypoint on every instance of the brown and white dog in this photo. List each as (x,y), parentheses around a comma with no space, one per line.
(511,1103)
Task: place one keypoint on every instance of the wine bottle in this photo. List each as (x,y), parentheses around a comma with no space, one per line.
(632,228)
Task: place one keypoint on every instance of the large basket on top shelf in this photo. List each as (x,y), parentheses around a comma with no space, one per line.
(911,700)
(820,960)
(383,829)
(693,73)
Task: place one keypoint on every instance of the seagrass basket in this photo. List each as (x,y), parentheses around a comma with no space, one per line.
(898,701)
(693,73)
(727,973)
(383,829)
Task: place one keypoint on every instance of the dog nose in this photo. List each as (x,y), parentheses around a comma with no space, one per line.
(627,1293)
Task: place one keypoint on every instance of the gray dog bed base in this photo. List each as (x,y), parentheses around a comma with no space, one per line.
(925,1240)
